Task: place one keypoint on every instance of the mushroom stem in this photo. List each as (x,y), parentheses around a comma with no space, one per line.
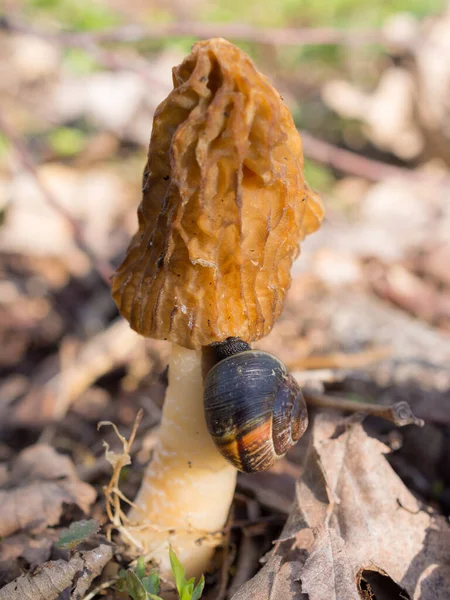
(188,487)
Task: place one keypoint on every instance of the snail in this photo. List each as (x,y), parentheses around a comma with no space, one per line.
(254,408)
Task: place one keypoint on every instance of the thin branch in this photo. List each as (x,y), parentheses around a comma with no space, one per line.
(274,36)
(103,586)
(26,160)
(342,360)
(399,413)
(108,59)
(319,376)
(350,162)
(367,168)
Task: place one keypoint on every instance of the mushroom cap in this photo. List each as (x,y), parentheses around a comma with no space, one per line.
(224,206)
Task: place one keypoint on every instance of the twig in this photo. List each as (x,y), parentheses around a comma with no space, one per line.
(319,150)
(106,58)
(249,552)
(98,356)
(367,168)
(399,413)
(26,160)
(349,162)
(280,36)
(342,360)
(337,366)
(251,524)
(221,590)
(103,586)
(318,376)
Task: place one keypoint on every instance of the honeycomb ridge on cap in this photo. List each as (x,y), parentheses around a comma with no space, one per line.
(224,206)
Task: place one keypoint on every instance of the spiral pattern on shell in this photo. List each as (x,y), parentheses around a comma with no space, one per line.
(254,409)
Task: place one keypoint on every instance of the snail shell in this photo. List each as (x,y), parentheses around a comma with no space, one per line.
(254,409)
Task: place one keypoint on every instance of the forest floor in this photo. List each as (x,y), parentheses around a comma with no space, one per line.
(367,317)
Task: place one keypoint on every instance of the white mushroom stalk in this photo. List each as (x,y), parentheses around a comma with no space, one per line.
(188,487)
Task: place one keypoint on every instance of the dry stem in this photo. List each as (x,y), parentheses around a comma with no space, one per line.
(399,413)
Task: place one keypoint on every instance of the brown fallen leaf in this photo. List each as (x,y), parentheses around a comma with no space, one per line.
(21,549)
(275,581)
(381,522)
(41,481)
(52,578)
(356,527)
(328,550)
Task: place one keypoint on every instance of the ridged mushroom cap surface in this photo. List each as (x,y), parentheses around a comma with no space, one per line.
(224,206)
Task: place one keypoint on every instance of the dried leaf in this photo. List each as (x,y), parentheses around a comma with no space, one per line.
(225,205)
(380,521)
(354,522)
(53,578)
(41,482)
(327,572)
(275,581)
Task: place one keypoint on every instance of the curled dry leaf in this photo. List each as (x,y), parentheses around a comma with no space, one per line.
(40,483)
(51,579)
(225,205)
(354,522)
(361,516)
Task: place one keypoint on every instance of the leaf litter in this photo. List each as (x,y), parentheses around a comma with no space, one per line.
(41,491)
(376,274)
(53,578)
(353,517)
(41,483)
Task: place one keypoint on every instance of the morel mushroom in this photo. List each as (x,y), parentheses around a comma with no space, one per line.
(224,208)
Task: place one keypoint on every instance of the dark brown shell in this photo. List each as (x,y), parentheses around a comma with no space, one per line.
(254,409)
(224,206)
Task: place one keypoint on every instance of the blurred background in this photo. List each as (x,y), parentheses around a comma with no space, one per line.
(368,84)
